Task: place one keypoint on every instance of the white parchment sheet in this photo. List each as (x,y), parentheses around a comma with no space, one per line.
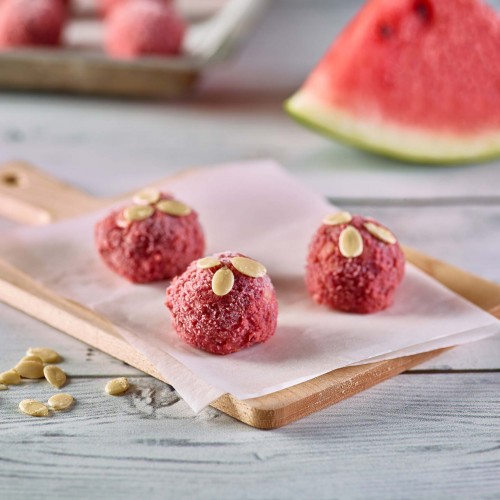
(258,209)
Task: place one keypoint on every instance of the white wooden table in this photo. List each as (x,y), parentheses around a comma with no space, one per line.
(430,433)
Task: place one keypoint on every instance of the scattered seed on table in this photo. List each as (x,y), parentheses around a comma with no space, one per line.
(55,376)
(29,369)
(32,357)
(47,355)
(61,401)
(117,386)
(10,377)
(33,408)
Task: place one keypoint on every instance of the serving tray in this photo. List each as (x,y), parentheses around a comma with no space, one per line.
(29,196)
(81,66)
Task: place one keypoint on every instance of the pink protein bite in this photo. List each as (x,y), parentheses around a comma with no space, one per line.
(144,28)
(154,239)
(223,303)
(354,264)
(31,23)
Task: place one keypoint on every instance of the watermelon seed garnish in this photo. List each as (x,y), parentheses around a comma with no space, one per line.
(222,281)
(337,218)
(350,242)
(249,267)
(173,207)
(207,262)
(138,212)
(380,233)
(146,196)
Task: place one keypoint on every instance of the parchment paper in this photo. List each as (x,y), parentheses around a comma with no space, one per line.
(260,210)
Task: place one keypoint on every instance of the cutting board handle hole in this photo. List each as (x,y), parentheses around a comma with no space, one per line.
(11,179)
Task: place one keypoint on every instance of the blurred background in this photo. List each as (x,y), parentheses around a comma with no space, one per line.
(105,144)
(235,112)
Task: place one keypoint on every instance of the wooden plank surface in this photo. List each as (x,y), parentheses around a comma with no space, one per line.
(427,435)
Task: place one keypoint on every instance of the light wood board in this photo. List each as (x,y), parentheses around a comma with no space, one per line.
(30,196)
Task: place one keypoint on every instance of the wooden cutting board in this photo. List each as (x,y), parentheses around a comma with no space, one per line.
(29,196)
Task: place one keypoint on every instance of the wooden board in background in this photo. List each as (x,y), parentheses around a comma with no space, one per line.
(30,196)
(81,66)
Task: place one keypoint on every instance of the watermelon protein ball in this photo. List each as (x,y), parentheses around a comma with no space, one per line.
(354,264)
(31,23)
(144,28)
(153,239)
(223,303)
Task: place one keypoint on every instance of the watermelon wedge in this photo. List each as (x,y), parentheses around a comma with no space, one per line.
(412,79)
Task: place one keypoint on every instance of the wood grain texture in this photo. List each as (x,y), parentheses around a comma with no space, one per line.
(266,412)
(414,436)
(288,405)
(63,73)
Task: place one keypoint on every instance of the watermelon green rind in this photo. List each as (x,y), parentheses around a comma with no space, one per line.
(392,140)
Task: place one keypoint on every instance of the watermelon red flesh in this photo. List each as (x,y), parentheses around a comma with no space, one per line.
(412,78)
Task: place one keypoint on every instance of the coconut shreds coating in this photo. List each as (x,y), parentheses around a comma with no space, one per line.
(363,284)
(156,248)
(245,316)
